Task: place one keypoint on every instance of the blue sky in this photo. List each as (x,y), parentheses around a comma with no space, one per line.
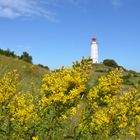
(58,32)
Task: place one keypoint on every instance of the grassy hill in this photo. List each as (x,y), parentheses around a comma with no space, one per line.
(130,78)
(29,73)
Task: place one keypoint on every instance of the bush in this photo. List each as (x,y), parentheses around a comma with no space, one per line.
(128,82)
(42,66)
(110,63)
(132,71)
(7,53)
(26,57)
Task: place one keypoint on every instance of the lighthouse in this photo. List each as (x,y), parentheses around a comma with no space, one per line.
(94,50)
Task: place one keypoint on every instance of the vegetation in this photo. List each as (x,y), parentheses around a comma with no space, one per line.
(7,53)
(69,106)
(29,74)
(42,66)
(110,63)
(26,57)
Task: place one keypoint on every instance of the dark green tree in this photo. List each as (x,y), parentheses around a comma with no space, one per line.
(42,66)
(26,57)
(7,52)
(110,63)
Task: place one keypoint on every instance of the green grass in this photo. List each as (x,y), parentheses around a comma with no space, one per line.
(29,73)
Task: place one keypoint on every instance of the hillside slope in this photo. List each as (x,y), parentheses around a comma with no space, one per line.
(29,73)
(130,78)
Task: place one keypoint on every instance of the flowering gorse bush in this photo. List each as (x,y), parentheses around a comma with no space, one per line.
(111,111)
(67,107)
(17,111)
(62,92)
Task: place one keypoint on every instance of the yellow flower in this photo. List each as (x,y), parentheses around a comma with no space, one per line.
(35,138)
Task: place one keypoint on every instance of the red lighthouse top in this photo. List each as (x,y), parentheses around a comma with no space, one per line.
(94,39)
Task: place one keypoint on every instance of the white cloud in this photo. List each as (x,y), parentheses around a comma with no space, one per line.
(7,12)
(17,8)
(116,3)
(25,8)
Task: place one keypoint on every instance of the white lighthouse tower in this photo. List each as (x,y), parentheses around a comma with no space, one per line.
(94,50)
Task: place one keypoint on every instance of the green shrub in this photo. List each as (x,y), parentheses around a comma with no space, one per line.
(110,63)
(42,66)
(26,57)
(7,52)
